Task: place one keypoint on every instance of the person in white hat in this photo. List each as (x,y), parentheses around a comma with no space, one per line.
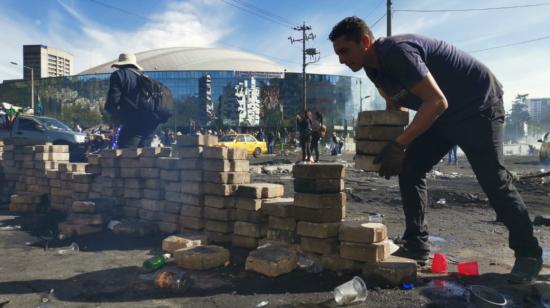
(138,127)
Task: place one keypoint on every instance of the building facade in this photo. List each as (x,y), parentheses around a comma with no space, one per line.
(538,108)
(254,93)
(46,62)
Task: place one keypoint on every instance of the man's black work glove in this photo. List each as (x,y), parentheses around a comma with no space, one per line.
(390,159)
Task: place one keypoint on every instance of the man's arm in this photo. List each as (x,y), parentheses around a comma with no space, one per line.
(390,105)
(433,105)
(113,97)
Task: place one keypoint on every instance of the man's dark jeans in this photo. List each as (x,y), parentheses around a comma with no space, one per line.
(315,137)
(128,138)
(305,142)
(480,137)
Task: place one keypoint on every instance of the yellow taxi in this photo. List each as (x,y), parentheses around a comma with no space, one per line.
(245,141)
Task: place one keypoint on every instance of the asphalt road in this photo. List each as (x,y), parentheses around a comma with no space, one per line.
(106,272)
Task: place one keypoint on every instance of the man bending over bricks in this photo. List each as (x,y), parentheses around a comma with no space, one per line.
(458,101)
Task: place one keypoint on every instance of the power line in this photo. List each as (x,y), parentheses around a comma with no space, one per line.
(120,9)
(476,9)
(221,42)
(266,12)
(512,44)
(256,13)
(378,20)
(368,15)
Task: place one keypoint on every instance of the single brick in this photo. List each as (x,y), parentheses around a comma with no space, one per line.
(361,232)
(201,257)
(318,230)
(272,261)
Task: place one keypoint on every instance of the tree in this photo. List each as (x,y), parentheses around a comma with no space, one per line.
(516,120)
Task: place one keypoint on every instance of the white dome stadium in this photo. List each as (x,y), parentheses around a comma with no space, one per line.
(196,59)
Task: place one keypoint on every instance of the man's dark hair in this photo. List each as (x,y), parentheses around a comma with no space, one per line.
(353,28)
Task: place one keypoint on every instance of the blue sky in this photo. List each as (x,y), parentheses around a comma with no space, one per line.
(94,33)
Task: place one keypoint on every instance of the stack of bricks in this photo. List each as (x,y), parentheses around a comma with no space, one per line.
(28,195)
(319,206)
(224,170)
(150,191)
(190,152)
(85,217)
(169,179)
(365,242)
(110,183)
(47,160)
(154,184)
(375,129)
(279,212)
(70,190)
(251,221)
(11,168)
(94,168)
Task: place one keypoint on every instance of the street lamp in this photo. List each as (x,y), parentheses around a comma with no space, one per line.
(361,102)
(361,97)
(32,83)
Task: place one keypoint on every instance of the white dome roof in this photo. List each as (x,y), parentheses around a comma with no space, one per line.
(196,59)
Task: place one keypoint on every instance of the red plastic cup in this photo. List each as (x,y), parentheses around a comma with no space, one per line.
(468,268)
(439,263)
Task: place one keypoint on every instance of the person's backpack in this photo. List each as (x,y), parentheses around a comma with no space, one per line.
(154,98)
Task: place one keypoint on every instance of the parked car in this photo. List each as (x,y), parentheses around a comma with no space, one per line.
(246,141)
(544,152)
(39,130)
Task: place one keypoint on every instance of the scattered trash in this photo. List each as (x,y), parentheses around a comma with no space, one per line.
(262,304)
(468,268)
(439,263)
(172,280)
(482,296)
(541,221)
(376,217)
(72,249)
(407,286)
(155,263)
(111,225)
(309,264)
(10,228)
(436,239)
(350,292)
(443,289)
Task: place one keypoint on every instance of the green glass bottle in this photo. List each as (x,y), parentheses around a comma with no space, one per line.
(155,263)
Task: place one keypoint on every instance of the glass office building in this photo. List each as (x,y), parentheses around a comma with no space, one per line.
(211,88)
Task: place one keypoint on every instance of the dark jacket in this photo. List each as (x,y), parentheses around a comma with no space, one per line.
(304,126)
(121,102)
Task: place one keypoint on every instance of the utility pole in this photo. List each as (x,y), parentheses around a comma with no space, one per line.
(388,17)
(312,52)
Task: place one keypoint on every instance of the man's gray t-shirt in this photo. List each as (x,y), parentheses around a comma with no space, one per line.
(404,60)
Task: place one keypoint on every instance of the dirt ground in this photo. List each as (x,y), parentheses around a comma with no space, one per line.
(106,272)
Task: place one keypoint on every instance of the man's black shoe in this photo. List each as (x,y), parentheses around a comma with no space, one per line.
(525,270)
(420,257)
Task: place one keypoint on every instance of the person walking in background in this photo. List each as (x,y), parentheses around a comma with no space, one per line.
(304,127)
(270,142)
(316,127)
(452,155)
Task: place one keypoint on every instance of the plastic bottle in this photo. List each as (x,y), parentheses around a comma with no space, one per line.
(154,263)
